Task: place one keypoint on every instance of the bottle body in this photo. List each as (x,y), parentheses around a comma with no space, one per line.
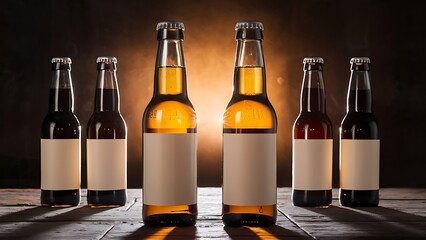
(106,142)
(359,142)
(249,139)
(312,142)
(170,139)
(60,142)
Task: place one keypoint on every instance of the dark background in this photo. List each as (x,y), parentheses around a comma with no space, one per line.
(391,33)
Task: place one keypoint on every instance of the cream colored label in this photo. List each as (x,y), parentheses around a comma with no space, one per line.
(169,169)
(60,164)
(249,169)
(106,164)
(312,164)
(359,164)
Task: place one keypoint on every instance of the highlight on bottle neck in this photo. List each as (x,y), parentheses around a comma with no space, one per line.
(312,97)
(107,77)
(61,97)
(249,44)
(359,91)
(170,63)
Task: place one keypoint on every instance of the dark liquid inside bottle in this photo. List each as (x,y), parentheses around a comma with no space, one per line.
(106,124)
(360,124)
(314,124)
(60,123)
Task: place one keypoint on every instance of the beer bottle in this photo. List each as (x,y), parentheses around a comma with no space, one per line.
(312,141)
(170,138)
(60,141)
(359,141)
(249,137)
(106,141)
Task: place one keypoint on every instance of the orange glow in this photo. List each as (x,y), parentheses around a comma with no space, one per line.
(162,233)
(209,56)
(262,233)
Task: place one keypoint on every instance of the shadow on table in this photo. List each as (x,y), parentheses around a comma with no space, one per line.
(375,221)
(145,232)
(33,222)
(271,232)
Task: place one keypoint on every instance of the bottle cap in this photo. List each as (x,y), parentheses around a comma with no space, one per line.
(313,63)
(170,30)
(170,25)
(249,25)
(64,60)
(360,63)
(360,60)
(249,30)
(313,60)
(106,59)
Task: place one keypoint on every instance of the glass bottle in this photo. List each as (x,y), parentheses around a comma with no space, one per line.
(106,141)
(359,141)
(249,137)
(170,138)
(60,141)
(312,141)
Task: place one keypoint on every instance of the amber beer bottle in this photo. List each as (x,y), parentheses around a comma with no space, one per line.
(249,137)
(359,141)
(170,138)
(312,141)
(106,141)
(60,141)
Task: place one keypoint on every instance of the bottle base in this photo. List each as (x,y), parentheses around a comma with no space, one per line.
(359,198)
(166,216)
(252,220)
(106,199)
(312,198)
(254,216)
(60,198)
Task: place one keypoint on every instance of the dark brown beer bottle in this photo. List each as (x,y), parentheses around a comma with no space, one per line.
(312,141)
(60,142)
(249,138)
(359,141)
(106,141)
(170,138)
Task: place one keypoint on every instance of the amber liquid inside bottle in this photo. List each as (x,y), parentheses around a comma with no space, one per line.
(360,124)
(169,112)
(106,124)
(60,123)
(312,124)
(249,112)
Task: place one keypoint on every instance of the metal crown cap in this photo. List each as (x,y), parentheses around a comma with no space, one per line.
(106,59)
(64,60)
(360,60)
(313,60)
(249,25)
(170,25)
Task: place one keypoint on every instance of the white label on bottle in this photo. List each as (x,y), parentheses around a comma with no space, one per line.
(60,164)
(359,164)
(249,169)
(312,164)
(169,169)
(106,164)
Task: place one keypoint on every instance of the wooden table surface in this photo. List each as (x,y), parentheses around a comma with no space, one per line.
(401,215)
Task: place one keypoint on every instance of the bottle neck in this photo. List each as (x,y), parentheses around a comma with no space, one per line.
(170,73)
(313,94)
(249,76)
(61,96)
(107,97)
(359,93)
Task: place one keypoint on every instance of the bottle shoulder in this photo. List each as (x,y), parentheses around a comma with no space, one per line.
(107,125)
(359,125)
(60,125)
(312,125)
(176,116)
(249,113)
